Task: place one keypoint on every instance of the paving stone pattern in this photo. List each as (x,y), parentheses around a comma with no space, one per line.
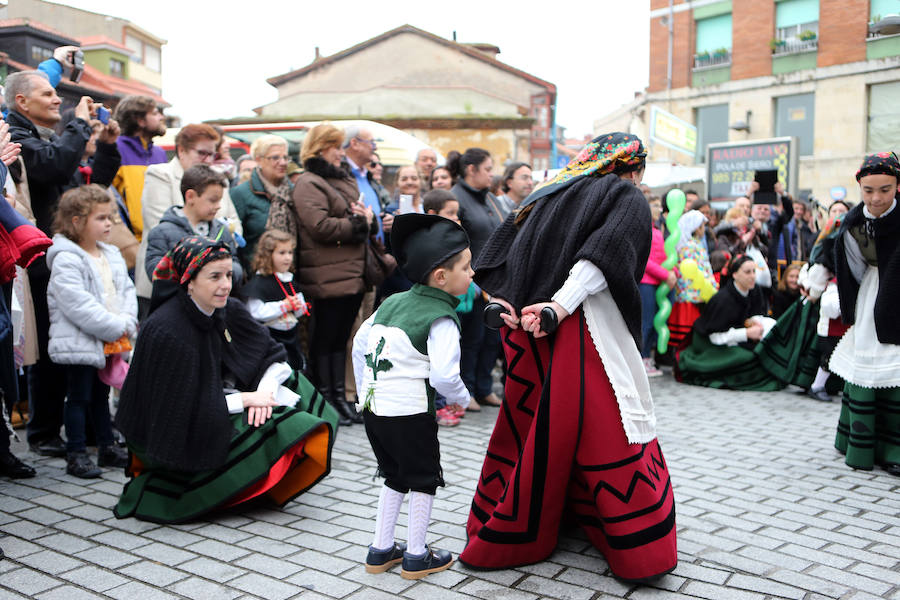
(766,509)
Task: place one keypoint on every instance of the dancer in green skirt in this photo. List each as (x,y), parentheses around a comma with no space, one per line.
(211,411)
(867,264)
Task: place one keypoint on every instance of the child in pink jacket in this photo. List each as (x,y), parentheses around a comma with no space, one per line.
(654,275)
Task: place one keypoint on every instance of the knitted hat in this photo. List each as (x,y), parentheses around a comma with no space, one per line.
(421,243)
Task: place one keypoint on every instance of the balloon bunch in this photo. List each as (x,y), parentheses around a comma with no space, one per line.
(690,271)
(675,201)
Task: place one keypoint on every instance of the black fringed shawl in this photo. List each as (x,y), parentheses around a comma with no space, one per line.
(605,220)
(172,405)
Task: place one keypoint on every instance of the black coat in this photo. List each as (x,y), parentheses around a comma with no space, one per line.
(887,240)
(52,166)
(600,219)
(729,309)
(480,213)
(172,406)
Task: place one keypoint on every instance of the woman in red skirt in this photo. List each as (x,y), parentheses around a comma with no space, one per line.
(576,434)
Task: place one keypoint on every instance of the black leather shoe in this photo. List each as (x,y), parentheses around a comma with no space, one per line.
(417,567)
(112,456)
(892,468)
(820,395)
(80,465)
(379,561)
(54,447)
(12,467)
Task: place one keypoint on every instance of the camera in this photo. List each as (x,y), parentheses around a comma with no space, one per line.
(76,57)
(103,115)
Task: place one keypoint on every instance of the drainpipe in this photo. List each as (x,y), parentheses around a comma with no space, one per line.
(671,38)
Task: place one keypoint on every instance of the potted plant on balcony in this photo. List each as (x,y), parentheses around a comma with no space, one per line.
(702,57)
(776,44)
(807,36)
(720,53)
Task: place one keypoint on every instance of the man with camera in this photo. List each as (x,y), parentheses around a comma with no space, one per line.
(51,164)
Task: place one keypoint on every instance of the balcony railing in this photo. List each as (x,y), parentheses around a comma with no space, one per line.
(795,46)
(717,59)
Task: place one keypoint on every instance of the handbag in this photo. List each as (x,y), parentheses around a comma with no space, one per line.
(113,374)
(378,264)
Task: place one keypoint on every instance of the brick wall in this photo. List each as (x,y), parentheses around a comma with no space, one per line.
(682,48)
(753,25)
(842,31)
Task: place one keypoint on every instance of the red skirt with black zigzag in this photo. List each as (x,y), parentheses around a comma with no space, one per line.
(558,451)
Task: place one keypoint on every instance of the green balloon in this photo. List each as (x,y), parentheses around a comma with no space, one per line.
(675,202)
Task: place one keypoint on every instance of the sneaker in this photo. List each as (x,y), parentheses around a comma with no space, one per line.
(456,410)
(418,566)
(53,447)
(650,368)
(446,418)
(80,465)
(379,561)
(112,456)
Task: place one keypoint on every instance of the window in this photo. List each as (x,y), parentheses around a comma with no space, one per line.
(796,25)
(40,54)
(883,8)
(136,46)
(713,41)
(152,58)
(116,67)
(795,116)
(884,116)
(712,127)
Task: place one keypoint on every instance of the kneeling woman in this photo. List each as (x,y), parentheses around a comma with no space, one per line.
(204,407)
(721,351)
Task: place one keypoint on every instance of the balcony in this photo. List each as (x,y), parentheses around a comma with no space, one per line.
(712,60)
(794,46)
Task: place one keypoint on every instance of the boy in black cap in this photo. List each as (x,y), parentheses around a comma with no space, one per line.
(402,355)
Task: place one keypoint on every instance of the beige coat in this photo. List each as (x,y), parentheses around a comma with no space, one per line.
(162,189)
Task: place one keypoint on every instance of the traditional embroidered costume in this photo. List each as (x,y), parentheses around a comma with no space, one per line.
(867,266)
(404,353)
(576,434)
(191,450)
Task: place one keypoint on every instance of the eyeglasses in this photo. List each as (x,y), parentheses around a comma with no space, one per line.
(369,142)
(374,164)
(204,154)
(276,159)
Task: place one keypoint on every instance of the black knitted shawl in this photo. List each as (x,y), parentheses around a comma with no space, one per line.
(605,220)
(886,239)
(728,308)
(172,406)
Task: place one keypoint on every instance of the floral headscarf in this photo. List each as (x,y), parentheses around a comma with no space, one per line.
(601,156)
(885,163)
(185,260)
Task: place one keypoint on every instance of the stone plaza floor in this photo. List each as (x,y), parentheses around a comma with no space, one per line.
(766,509)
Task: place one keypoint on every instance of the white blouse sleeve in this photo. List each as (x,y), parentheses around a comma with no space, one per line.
(275,375)
(585,278)
(443,354)
(264,311)
(358,351)
(732,337)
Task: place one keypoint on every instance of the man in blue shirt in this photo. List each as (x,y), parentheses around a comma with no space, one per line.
(359,148)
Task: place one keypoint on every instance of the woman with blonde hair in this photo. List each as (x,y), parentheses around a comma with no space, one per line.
(334,226)
(268,185)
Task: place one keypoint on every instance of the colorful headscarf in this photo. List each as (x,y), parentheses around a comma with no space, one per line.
(182,262)
(601,156)
(884,163)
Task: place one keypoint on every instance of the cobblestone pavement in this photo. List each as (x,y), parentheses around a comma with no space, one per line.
(766,509)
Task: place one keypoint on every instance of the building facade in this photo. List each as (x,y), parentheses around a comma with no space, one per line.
(450,95)
(826,72)
(143,60)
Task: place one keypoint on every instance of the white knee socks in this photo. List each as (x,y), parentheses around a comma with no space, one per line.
(821,378)
(419,517)
(388,511)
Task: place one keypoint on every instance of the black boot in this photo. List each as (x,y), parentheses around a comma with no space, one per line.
(338,363)
(325,387)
